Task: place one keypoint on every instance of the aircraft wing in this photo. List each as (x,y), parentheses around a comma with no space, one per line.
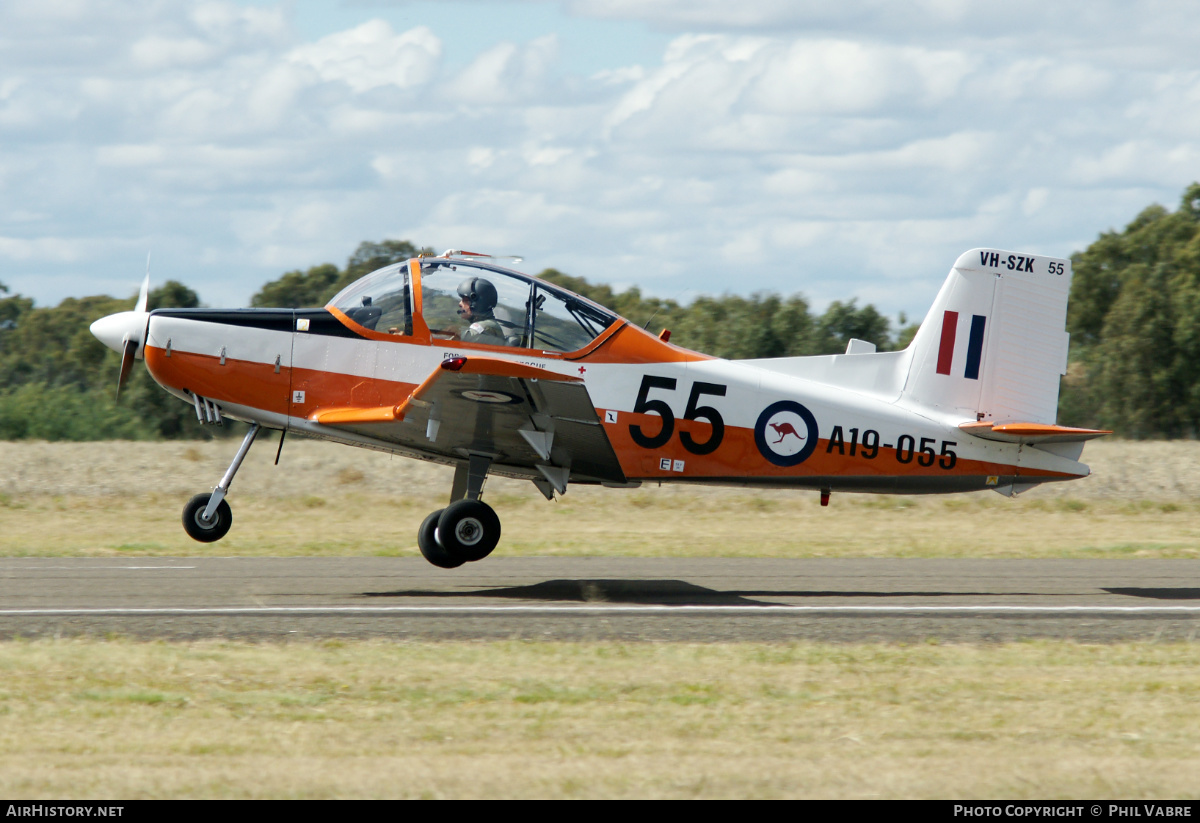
(524,416)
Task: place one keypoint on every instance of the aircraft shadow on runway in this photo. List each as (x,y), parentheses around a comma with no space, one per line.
(661,593)
(1157,594)
(643,592)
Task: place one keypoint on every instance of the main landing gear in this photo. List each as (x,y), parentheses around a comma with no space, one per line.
(207,517)
(468,529)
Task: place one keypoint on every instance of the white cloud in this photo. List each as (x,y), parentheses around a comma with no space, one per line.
(53,249)
(718,13)
(751,92)
(481,157)
(506,73)
(1035,201)
(843,77)
(156,52)
(373,55)
(219,19)
(131,155)
(1138,161)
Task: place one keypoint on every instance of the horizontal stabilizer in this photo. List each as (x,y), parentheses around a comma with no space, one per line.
(1030,433)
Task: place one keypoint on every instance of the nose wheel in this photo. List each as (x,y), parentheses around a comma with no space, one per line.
(206,530)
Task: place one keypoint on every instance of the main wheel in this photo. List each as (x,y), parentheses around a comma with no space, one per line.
(469,529)
(206,531)
(432,550)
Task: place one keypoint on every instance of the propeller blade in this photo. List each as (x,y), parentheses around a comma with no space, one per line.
(144,294)
(130,349)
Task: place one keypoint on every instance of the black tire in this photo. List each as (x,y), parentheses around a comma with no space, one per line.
(433,551)
(201,530)
(469,529)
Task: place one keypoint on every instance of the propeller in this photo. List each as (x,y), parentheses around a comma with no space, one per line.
(125,331)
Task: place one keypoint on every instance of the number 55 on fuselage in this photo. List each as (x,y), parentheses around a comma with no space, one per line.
(458,361)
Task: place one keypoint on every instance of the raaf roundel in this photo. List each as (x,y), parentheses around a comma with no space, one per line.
(456,360)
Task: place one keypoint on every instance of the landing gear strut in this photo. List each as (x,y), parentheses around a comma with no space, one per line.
(468,529)
(207,517)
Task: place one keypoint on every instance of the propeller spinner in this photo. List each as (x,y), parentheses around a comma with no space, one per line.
(125,331)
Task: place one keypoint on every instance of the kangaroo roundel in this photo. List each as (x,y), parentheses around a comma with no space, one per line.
(786,433)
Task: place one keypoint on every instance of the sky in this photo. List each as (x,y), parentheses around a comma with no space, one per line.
(686,147)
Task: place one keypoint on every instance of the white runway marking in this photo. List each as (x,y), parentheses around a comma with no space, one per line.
(594,608)
(94,568)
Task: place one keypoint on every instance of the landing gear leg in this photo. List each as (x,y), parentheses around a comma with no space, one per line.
(468,529)
(207,517)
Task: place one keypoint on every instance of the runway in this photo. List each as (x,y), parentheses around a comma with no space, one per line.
(628,599)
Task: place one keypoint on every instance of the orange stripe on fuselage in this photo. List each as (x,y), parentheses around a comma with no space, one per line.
(738,456)
(327,390)
(244,382)
(257,385)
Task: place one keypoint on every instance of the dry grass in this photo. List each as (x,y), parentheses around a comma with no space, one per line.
(1040,720)
(98,499)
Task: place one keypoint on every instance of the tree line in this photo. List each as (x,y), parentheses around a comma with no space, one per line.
(1134,319)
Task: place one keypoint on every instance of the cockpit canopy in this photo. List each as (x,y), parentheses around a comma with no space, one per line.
(517,311)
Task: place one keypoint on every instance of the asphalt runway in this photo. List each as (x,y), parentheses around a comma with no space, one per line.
(629,599)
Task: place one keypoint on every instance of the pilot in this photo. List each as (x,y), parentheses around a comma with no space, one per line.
(477,301)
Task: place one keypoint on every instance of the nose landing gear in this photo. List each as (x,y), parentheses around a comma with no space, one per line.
(207,517)
(468,529)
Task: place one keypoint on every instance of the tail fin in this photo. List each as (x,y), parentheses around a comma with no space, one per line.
(994,344)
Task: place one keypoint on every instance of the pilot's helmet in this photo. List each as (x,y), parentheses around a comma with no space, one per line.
(480,294)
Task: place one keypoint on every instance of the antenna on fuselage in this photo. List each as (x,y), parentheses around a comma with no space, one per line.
(515,258)
(675,300)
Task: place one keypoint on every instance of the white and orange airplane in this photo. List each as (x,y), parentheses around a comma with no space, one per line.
(456,360)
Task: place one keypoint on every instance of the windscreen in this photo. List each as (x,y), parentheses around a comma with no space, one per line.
(381,301)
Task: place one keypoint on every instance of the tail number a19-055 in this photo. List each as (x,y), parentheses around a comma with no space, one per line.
(906,447)
(694,411)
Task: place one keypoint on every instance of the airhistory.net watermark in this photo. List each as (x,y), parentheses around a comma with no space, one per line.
(46,810)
